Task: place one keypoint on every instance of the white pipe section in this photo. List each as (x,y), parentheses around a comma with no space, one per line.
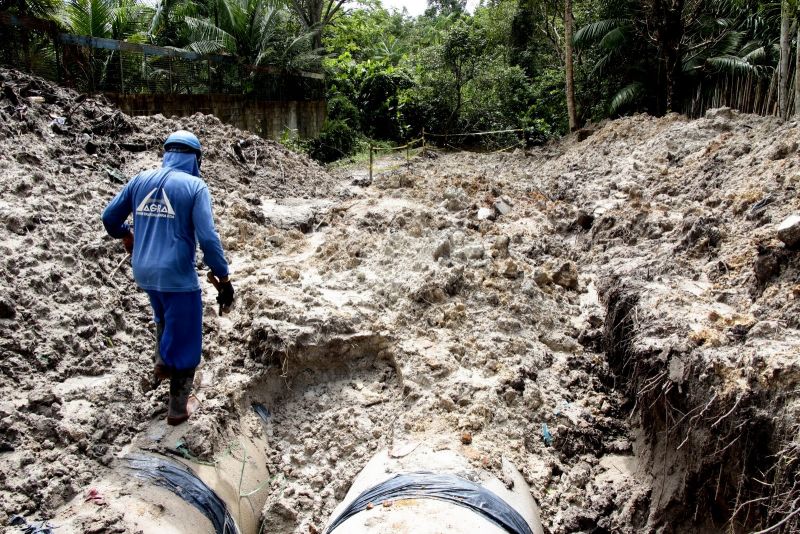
(432,516)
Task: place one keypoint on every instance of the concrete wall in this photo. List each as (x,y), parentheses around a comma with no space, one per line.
(267,118)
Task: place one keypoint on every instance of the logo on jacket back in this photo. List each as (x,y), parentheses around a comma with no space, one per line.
(153,206)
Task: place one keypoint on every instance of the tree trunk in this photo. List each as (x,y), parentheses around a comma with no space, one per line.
(315,15)
(797,75)
(568,31)
(783,67)
(667,23)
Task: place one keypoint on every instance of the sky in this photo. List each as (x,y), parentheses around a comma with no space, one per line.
(417,7)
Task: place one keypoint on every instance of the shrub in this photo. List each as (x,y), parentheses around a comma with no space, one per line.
(336,140)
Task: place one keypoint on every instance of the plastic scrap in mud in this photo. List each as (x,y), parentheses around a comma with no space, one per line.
(30,528)
(546,435)
(262,411)
(94,496)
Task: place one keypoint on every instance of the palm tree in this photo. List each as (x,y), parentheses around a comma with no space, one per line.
(721,42)
(254,31)
(33,49)
(315,15)
(42,9)
(110,19)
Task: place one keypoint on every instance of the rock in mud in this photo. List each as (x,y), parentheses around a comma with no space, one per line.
(500,247)
(362,181)
(559,342)
(510,269)
(284,509)
(456,199)
(7,308)
(542,277)
(442,285)
(566,276)
(442,250)
(485,214)
(767,264)
(471,252)
(782,151)
(789,231)
(503,206)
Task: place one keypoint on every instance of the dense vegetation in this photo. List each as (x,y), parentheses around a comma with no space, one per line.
(546,66)
(505,66)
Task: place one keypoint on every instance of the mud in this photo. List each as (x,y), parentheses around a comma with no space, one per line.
(616,316)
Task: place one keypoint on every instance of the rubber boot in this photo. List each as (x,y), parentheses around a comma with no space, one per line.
(180,388)
(160,369)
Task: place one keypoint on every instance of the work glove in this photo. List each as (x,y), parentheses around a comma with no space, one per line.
(225,293)
(127,242)
(225,297)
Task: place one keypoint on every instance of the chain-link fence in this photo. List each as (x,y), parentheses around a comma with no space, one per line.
(92,64)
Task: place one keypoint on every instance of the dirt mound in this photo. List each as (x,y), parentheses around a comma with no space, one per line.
(702,300)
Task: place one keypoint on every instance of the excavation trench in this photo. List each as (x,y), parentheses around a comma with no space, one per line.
(319,409)
(698,423)
(327,413)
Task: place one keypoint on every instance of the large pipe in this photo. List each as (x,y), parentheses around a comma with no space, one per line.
(152,493)
(167,494)
(414,488)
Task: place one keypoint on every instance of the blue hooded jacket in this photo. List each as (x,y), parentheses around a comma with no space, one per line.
(171,209)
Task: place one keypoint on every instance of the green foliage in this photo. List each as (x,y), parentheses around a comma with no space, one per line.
(445,8)
(547,109)
(90,17)
(626,97)
(367,68)
(340,108)
(254,30)
(596,32)
(112,19)
(43,9)
(337,140)
(446,72)
(390,76)
(719,40)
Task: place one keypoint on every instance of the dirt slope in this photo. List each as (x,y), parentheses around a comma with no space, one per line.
(703,303)
(614,315)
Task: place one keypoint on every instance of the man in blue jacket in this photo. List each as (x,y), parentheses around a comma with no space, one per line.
(171,210)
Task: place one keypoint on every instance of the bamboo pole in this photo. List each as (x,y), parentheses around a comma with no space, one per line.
(370,162)
(121,74)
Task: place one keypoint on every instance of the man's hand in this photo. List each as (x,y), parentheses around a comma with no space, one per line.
(127,242)
(225,289)
(225,296)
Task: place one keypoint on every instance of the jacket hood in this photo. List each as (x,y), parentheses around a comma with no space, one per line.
(182,161)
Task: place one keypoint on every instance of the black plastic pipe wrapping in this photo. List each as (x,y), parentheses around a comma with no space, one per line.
(449,488)
(183,482)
